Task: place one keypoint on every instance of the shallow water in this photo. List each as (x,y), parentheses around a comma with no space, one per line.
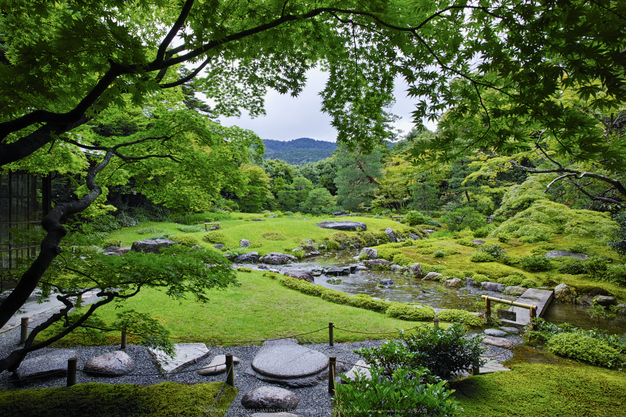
(438,296)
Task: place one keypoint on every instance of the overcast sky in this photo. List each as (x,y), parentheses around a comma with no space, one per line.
(291,118)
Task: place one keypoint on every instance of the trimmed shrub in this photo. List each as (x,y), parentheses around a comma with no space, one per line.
(583,348)
(185,240)
(215,237)
(368,303)
(406,312)
(571,266)
(439,254)
(336,297)
(302,286)
(535,263)
(467,242)
(460,316)
(480,256)
(413,218)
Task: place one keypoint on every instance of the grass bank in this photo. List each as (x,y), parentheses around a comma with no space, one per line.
(121,400)
(257,309)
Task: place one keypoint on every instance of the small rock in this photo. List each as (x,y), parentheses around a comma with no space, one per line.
(376,263)
(507,329)
(270,398)
(217,365)
(219,246)
(432,276)
(564,293)
(362,368)
(257,220)
(515,290)
(478,242)
(342,225)
(492,286)
(416,270)
(244,243)
(110,364)
(621,308)
(495,333)
(386,283)
(391,234)
(453,283)
(414,236)
(564,253)
(369,253)
(471,283)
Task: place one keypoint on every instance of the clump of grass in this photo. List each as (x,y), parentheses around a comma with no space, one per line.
(190,228)
(273,236)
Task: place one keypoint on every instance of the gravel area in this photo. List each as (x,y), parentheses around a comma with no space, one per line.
(313,401)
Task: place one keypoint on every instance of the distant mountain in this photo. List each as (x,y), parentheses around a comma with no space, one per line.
(298,151)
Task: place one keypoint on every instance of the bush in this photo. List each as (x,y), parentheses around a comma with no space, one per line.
(536,263)
(336,297)
(413,218)
(406,312)
(444,352)
(186,240)
(214,237)
(587,349)
(439,254)
(494,250)
(402,260)
(615,274)
(480,256)
(463,218)
(571,266)
(402,391)
(481,232)
(467,242)
(302,286)
(510,260)
(460,316)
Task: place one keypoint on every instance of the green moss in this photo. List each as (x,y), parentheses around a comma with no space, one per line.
(584,348)
(302,286)
(336,297)
(119,400)
(185,240)
(368,303)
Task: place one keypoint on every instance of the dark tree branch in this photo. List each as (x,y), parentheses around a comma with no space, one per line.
(188,77)
(173,31)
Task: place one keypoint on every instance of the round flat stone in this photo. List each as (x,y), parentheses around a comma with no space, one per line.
(495,333)
(286,359)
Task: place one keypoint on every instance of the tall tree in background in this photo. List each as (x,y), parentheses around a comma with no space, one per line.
(357,177)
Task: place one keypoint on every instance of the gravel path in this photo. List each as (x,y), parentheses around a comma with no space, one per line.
(314,401)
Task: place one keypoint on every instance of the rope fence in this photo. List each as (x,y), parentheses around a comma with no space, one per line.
(72,368)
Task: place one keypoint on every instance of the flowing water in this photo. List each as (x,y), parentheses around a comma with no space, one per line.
(435,294)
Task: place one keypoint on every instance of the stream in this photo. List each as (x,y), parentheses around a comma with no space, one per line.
(435,294)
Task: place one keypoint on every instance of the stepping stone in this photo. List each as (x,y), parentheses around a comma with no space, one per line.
(273,415)
(498,341)
(495,333)
(51,363)
(362,369)
(287,363)
(492,366)
(185,354)
(110,364)
(217,365)
(510,329)
(270,398)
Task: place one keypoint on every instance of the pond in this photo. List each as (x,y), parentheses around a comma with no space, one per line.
(436,295)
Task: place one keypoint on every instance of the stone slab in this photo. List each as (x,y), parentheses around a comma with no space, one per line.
(492,366)
(217,365)
(507,329)
(286,359)
(498,341)
(345,225)
(495,332)
(185,354)
(532,296)
(51,363)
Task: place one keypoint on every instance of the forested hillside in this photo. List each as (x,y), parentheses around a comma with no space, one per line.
(298,151)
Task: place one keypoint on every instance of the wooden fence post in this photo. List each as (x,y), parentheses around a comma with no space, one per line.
(71,371)
(24,330)
(124,339)
(230,371)
(488,310)
(332,365)
(436,323)
(331,336)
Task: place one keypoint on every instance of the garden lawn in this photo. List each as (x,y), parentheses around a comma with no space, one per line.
(259,308)
(567,389)
(281,234)
(120,400)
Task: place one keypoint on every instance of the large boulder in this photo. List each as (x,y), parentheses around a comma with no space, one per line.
(277,258)
(605,300)
(515,290)
(151,245)
(353,226)
(493,286)
(369,253)
(247,258)
(110,364)
(564,253)
(376,263)
(270,398)
(564,293)
(300,274)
